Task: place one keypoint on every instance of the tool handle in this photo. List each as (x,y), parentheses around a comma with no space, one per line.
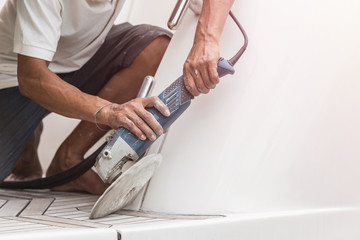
(177,99)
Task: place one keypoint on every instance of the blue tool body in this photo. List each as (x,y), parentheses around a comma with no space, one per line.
(177,99)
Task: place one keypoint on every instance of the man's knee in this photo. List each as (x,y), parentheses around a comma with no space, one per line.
(153,53)
(160,44)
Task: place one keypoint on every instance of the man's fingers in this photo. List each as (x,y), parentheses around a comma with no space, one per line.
(134,117)
(188,77)
(201,65)
(131,126)
(144,128)
(158,104)
(204,73)
(200,85)
(151,122)
(148,117)
(200,77)
(213,75)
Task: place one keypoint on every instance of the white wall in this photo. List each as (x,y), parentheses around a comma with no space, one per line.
(283,132)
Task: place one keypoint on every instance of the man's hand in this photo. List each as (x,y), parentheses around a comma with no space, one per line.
(200,68)
(133,116)
(200,73)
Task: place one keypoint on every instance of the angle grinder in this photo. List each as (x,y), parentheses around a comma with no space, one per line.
(124,146)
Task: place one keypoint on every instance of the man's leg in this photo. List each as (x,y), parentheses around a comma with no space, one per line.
(122,87)
(19,118)
(28,166)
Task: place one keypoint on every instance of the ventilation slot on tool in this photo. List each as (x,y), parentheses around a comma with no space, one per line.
(172,102)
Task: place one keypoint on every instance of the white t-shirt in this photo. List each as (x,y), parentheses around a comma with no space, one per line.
(66,33)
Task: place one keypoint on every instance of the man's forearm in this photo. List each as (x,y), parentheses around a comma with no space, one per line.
(200,73)
(212,19)
(37,82)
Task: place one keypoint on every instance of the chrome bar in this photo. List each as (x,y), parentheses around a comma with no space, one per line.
(178,13)
(146,87)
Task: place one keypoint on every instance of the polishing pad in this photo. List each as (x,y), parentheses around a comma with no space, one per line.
(126,187)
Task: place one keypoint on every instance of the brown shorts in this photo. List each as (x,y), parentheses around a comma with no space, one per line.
(123,43)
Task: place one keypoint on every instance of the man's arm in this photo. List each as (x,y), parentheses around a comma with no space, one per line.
(204,54)
(43,86)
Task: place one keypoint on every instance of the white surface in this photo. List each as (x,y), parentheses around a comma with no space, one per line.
(311,224)
(330,224)
(68,234)
(155,12)
(283,132)
(37,211)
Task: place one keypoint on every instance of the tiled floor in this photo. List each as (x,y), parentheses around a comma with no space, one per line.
(43,210)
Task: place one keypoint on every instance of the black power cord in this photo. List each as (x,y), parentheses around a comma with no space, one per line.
(58,179)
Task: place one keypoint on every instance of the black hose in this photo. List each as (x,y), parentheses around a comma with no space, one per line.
(58,179)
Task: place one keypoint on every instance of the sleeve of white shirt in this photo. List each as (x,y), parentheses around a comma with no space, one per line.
(37,28)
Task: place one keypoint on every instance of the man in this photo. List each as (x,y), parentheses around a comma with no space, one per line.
(72,60)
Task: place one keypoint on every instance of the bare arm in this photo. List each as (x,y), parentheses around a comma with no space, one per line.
(204,54)
(43,86)
(40,84)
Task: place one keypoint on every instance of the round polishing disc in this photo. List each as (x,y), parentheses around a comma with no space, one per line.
(126,187)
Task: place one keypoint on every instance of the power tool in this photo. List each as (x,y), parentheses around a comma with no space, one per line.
(124,146)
